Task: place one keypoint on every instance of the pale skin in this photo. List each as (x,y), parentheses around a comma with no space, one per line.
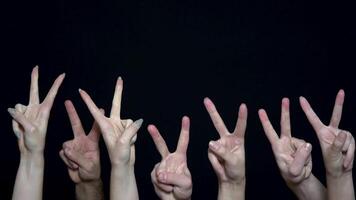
(338,149)
(30,127)
(119,136)
(293,157)
(227,154)
(171,177)
(82,158)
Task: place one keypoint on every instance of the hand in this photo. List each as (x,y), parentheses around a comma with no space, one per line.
(30,122)
(171,177)
(338,146)
(81,155)
(293,155)
(119,135)
(227,155)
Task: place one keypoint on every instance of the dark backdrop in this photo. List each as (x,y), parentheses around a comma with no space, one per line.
(171,55)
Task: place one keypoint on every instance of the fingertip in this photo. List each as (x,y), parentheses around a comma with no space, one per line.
(262,114)
(208,102)
(285,101)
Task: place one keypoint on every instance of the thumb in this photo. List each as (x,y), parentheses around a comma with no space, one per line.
(179,180)
(300,159)
(338,143)
(219,150)
(76,157)
(131,131)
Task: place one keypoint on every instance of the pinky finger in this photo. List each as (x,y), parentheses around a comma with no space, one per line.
(350,155)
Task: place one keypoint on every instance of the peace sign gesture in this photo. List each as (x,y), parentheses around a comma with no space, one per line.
(338,146)
(119,134)
(30,122)
(81,154)
(171,177)
(227,155)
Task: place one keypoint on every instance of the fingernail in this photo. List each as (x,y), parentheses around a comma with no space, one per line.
(80,90)
(11,111)
(139,122)
(307,146)
(120,78)
(214,145)
(162,177)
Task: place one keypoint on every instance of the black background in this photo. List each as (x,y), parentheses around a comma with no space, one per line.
(171,54)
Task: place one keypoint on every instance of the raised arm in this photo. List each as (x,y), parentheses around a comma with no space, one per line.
(338,148)
(227,154)
(171,177)
(30,127)
(82,158)
(293,157)
(119,136)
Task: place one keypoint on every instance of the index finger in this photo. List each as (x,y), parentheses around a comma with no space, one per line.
(312,117)
(158,140)
(51,95)
(215,117)
(337,111)
(74,119)
(267,127)
(94,110)
(116,102)
(34,96)
(184,136)
(285,119)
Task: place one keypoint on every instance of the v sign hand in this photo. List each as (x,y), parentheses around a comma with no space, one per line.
(293,157)
(227,155)
(171,177)
(119,136)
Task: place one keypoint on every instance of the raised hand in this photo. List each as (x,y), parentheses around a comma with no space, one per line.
(171,177)
(119,136)
(30,127)
(338,148)
(30,122)
(81,154)
(227,154)
(82,157)
(293,156)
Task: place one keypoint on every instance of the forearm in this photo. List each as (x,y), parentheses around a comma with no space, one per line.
(233,191)
(90,190)
(309,189)
(29,178)
(340,187)
(123,183)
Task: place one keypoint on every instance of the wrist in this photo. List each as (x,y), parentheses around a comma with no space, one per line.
(90,184)
(308,188)
(32,161)
(232,185)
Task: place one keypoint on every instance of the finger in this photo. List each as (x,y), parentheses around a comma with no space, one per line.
(94,133)
(20,108)
(94,110)
(21,119)
(67,162)
(215,117)
(131,131)
(218,168)
(48,102)
(116,102)
(267,127)
(74,119)
(350,154)
(347,142)
(339,142)
(34,96)
(158,140)
(16,128)
(160,186)
(240,127)
(337,112)
(219,150)
(184,136)
(297,143)
(285,118)
(300,159)
(76,157)
(312,117)
(179,180)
